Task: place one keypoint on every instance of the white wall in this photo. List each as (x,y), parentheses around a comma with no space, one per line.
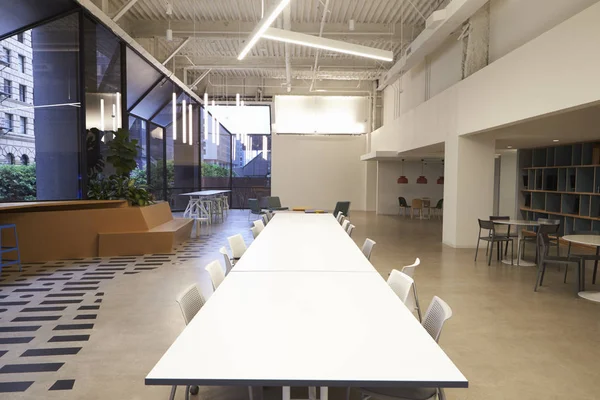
(317,171)
(388,189)
(508,184)
(515,22)
(371,177)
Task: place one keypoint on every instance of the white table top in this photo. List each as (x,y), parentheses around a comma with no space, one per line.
(590,240)
(303,242)
(305,329)
(204,193)
(517,222)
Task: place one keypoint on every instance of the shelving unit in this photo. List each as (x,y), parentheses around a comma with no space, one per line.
(562,182)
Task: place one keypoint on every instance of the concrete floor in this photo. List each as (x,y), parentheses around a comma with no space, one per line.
(510,342)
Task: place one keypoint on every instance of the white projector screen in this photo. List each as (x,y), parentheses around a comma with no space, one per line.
(321,115)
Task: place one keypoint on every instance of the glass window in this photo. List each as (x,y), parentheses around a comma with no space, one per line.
(157,164)
(22,63)
(23,126)
(22,93)
(140,77)
(20,37)
(24,159)
(7,87)
(9,121)
(5,56)
(10,158)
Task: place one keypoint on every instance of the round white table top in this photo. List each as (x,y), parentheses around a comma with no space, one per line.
(518,222)
(590,240)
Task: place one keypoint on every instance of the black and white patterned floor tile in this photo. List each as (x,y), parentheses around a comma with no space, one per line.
(48,310)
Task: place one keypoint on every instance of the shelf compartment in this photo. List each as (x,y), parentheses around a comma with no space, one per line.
(584,205)
(568,228)
(585,180)
(562,179)
(577,149)
(550,157)
(550,179)
(583,224)
(526,158)
(571,179)
(531,179)
(553,202)
(539,157)
(596,226)
(597,180)
(538,201)
(539,179)
(570,204)
(527,199)
(562,156)
(587,154)
(595,207)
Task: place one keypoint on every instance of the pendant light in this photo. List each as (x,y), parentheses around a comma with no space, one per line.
(119,119)
(421,179)
(183,124)
(205,116)
(440,180)
(102,115)
(214,124)
(402,179)
(174,101)
(114,117)
(190,122)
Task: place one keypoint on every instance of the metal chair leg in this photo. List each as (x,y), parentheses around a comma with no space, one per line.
(491,252)
(173,390)
(537,278)
(417,305)
(477,248)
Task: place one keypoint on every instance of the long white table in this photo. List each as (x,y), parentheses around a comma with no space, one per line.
(295,241)
(205,193)
(289,315)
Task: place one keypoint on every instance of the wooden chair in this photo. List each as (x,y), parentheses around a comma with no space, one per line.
(416,205)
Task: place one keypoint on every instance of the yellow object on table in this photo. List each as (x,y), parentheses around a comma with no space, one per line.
(299,209)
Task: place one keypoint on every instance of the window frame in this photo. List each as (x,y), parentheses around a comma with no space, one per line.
(22,61)
(22,93)
(23,125)
(8,87)
(10,119)
(21,37)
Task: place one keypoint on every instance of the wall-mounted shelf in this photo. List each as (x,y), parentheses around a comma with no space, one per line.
(561,182)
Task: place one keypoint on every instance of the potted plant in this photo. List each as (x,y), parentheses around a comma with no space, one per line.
(122,153)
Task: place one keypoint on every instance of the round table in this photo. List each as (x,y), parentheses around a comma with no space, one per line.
(589,240)
(518,223)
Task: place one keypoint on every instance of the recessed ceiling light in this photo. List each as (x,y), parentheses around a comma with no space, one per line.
(509,147)
(556,140)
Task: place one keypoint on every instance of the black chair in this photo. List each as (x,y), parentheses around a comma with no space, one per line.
(343,206)
(254,206)
(403,205)
(274,204)
(502,229)
(492,237)
(543,246)
(554,240)
(585,257)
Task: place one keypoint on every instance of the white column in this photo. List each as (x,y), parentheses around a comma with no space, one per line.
(509,184)
(468,188)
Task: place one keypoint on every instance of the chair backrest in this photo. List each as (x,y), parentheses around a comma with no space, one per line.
(190,302)
(402,202)
(228,265)
(368,248)
(274,202)
(345,224)
(237,244)
(417,203)
(485,224)
(265,219)
(216,273)
(350,229)
(255,232)
(343,206)
(254,206)
(499,218)
(339,216)
(401,284)
(440,204)
(543,238)
(435,317)
(549,221)
(259,225)
(269,215)
(410,269)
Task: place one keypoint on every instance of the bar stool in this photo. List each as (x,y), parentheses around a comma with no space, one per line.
(7,249)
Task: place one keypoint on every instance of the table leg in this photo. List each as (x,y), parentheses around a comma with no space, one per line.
(312,393)
(518,261)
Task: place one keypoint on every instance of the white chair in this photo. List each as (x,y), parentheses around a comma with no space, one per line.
(342,219)
(190,302)
(410,271)
(339,217)
(435,317)
(215,270)
(345,224)
(350,229)
(255,232)
(368,248)
(259,225)
(238,246)
(270,215)
(199,211)
(225,202)
(402,285)
(265,219)
(228,264)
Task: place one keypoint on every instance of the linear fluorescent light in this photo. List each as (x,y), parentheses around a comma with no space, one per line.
(102,115)
(302,39)
(183,123)
(190,121)
(174,101)
(262,26)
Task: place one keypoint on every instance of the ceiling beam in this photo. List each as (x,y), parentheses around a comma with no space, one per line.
(241,30)
(201,62)
(124,9)
(181,46)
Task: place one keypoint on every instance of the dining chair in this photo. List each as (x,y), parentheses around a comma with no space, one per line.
(403,205)
(237,245)
(259,225)
(350,229)
(544,258)
(402,285)
(340,217)
(345,224)
(274,203)
(438,210)
(228,264)
(491,237)
(504,230)
(190,302)
(435,317)
(554,240)
(368,248)
(343,206)
(585,257)
(255,232)
(410,271)
(416,205)
(215,270)
(254,207)
(265,219)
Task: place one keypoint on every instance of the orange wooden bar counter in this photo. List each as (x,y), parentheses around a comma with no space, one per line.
(54,230)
